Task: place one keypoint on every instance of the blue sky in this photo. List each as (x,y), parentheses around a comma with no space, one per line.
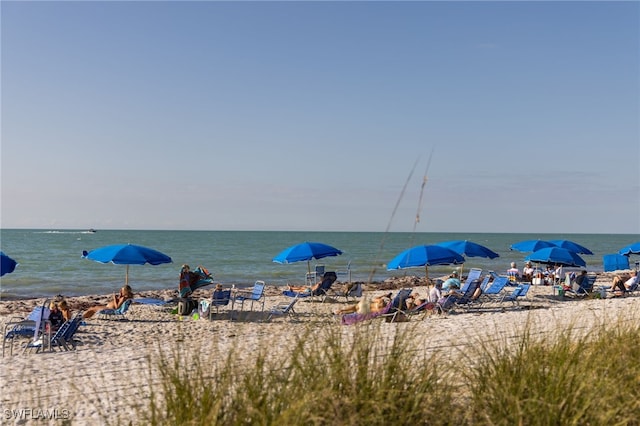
(312,115)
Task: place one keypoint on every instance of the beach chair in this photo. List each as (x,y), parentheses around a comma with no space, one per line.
(62,339)
(321,292)
(474,274)
(286,309)
(324,289)
(34,326)
(313,276)
(398,306)
(518,293)
(255,295)
(353,292)
(115,314)
(493,291)
(485,282)
(219,299)
(635,285)
(450,302)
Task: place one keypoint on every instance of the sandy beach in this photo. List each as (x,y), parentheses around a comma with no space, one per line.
(106,380)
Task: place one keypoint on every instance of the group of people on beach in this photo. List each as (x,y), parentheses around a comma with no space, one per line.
(440,294)
(59,312)
(552,274)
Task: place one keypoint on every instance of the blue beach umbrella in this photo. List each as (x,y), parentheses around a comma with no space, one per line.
(531,245)
(571,246)
(630,249)
(556,255)
(306,252)
(469,248)
(425,256)
(7,264)
(127,254)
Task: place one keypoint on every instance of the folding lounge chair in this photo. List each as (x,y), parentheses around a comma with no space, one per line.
(398,305)
(34,326)
(255,295)
(65,340)
(283,309)
(219,299)
(63,337)
(635,285)
(353,292)
(323,290)
(493,290)
(518,293)
(448,303)
(485,283)
(474,274)
(115,314)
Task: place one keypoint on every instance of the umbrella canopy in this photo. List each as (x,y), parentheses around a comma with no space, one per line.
(306,251)
(469,248)
(571,246)
(630,249)
(7,264)
(531,245)
(425,256)
(127,254)
(556,255)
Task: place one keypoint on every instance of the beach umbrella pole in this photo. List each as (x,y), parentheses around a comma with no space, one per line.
(126,276)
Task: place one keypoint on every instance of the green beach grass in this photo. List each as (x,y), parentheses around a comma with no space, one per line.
(369,378)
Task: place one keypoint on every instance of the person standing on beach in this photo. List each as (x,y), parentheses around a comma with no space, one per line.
(184,287)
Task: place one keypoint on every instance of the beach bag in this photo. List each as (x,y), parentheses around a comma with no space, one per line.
(186,306)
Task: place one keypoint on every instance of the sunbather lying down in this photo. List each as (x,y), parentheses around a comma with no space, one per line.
(327,279)
(375,305)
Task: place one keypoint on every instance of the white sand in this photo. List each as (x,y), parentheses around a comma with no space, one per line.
(108,376)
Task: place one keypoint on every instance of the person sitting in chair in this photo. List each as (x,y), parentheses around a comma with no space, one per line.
(513,273)
(622,284)
(527,272)
(55,316)
(115,303)
(327,280)
(452,282)
(581,284)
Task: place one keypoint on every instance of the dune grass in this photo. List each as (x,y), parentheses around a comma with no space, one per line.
(329,377)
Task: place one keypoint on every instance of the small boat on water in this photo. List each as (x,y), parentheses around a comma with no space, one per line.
(91,231)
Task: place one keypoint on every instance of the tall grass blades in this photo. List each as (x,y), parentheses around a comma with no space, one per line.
(592,379)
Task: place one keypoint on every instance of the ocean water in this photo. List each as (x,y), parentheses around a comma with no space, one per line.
(50,261)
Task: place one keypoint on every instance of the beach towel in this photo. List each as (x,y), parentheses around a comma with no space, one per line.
(354,318)
(190,281)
